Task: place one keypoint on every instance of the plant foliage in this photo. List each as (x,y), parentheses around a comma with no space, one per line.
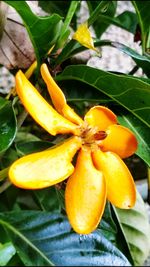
(33,224)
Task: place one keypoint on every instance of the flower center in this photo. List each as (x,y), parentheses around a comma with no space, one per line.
(91,135)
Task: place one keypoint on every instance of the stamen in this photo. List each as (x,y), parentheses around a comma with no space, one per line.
(92,135)
(100,135)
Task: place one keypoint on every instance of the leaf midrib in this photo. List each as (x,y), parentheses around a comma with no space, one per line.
(10,227)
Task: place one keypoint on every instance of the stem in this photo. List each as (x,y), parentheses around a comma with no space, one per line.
(4,173)
(69,16)
(21,118)
(134,70)
(94,16)
(4,186)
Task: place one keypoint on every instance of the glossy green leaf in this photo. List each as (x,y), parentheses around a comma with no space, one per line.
(122,89)
(142,11)
(142,134)
(136,228)
(7,124)
(43,31)
(7,251)
(42,239)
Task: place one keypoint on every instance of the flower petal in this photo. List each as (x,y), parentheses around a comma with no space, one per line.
(58,97)
(119,140)
(85,194)
(40,110)
(120,184)
(100,117)
(83,36)
(43,169)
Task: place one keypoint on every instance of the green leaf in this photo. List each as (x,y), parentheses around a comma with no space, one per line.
(8,158)
(142,12)
(136,229)
(65,31)
(43,31)
(59,7)
(29,147)
(8,125)
(24,134)
(141,61)
(96,9)
(107,226)
(42,239)
(47,199)
(129,24)
(126,20)
(142,134)
(122,89)
(7,251)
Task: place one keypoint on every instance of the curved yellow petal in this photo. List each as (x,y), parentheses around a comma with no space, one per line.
(58,97)
(119,140)
(31,69)
(83,36)
(85,194)
(40,110)
(100,117)
(120,184)
(43,169)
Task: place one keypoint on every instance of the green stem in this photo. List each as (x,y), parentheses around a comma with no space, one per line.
(4,173)
(69,16)
(100,8)
(21,118)
(4,186)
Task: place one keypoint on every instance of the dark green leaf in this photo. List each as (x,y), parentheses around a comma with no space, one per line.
(7,251)
(43,31)
(41,238)
(7,124)
(24,148)
(127,20)
(8,158)
(142,11)
(107,7)
(77,91)
(47,199)
(107,226)
(129,24)
(142,134)
(122,89)
(59,7)
(136,228)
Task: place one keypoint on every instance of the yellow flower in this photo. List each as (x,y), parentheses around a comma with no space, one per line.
(83,36)
(99,172)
